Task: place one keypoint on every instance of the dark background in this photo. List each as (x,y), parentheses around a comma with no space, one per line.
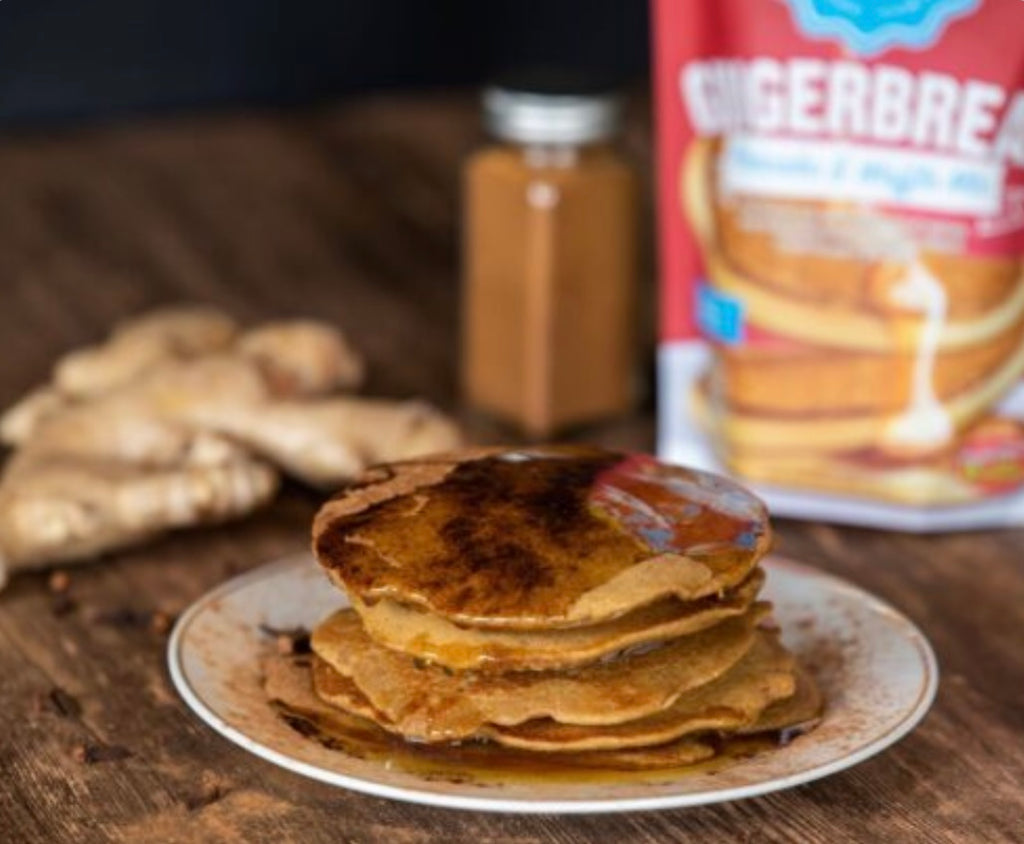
(63,60)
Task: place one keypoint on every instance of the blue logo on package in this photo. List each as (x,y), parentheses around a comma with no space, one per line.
(719,315)
(868,27)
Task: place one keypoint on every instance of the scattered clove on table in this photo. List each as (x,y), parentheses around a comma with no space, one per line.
(288,640)
(91,754)
(64,703)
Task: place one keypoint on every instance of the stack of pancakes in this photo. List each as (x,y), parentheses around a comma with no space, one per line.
(866,355)
(554,600)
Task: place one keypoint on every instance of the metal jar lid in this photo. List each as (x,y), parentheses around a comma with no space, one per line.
(551,111)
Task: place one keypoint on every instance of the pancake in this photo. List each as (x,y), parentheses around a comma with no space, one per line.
(837,432)
(539,538)
(808,322)
(429,703)
(735,701)
(288,680)
(925,483)
(542,609)
(287,684)
(732,702)
(436,640)
(975,285)
(749,700)
(341,692)
(841,302)
(799,712)
(795,380)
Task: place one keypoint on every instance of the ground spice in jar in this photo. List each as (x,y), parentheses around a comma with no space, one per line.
(550,251)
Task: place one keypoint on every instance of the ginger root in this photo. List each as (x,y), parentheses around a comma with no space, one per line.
(180,418)
(135,347)
(60,509)
(327,442)
(23,417)
(285,358)
(302,357)
(138,344)
(322,442)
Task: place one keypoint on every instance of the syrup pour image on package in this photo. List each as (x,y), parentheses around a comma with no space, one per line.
(842,226)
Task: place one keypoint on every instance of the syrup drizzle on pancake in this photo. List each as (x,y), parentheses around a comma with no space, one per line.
(517,539)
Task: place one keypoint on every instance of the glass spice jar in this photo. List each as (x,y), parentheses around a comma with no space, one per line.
(550,257)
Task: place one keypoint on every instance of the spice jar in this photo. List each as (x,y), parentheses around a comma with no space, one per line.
(550,246)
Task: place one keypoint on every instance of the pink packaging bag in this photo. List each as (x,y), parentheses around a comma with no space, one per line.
(841,215)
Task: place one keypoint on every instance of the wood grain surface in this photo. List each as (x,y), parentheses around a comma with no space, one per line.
(350,214)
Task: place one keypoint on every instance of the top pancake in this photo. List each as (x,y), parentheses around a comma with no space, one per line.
(538,538)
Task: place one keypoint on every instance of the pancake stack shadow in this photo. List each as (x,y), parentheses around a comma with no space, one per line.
(572,603)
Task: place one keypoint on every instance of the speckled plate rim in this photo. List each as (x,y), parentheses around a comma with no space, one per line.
(913,715)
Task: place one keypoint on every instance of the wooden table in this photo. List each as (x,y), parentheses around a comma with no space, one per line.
(350,214)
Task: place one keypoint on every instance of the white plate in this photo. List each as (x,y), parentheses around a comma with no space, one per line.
(876,669)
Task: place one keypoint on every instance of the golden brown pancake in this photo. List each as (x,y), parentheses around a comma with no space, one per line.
(582,607)
(288,679)
(975,284)
(795,380)
(429,703)
(748,433)
(733,701)
(539,538)
(843,265)
(340,691)
(287,683)
(437,640)
(922,483)
(800,711)
(840,296)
